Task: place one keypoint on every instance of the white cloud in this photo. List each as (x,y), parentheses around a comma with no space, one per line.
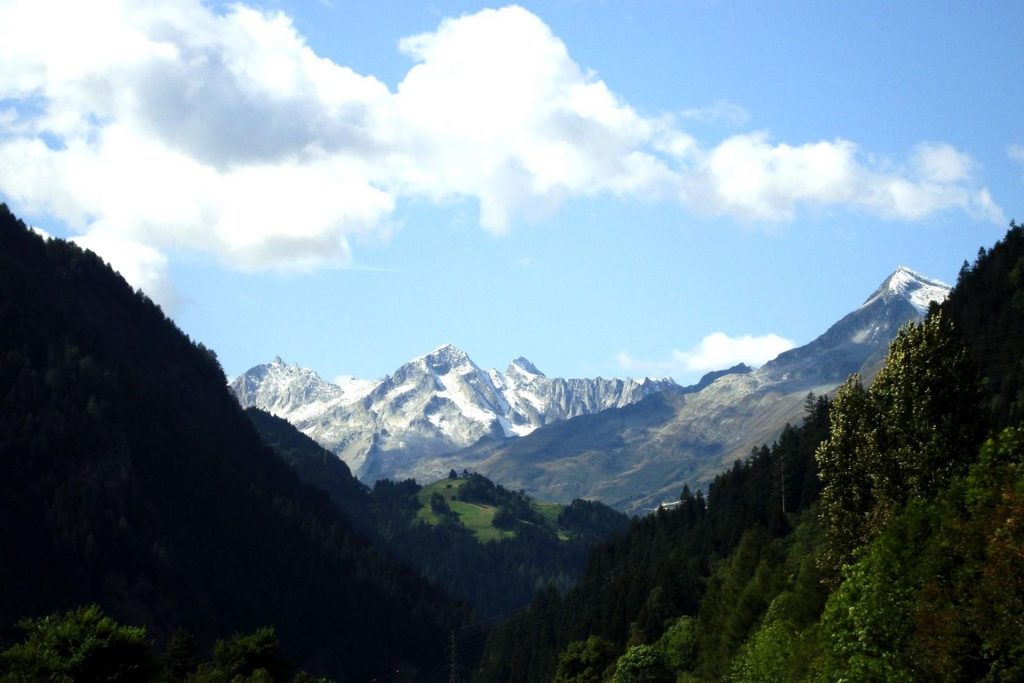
(496,109)
(722,110)
(751,177)
(142,266)
(42,233)
(170,125)
(941,163)
(716,351)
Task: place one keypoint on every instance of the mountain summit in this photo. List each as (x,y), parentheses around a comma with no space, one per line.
(859,341)
(641,455)
(916,289)
(434,404)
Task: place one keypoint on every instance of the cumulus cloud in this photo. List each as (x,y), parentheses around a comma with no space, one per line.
(716,351)
(142,266)
(753,177)
(174,125)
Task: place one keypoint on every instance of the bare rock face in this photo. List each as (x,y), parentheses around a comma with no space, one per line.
(629,444)
(430,406)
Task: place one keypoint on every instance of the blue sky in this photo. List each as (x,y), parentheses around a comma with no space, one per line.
(606,188)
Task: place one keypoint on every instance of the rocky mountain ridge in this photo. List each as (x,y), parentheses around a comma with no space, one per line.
(637,457)
(629,444)
(432,405)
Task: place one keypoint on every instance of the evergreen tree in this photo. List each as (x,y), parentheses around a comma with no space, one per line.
(844,467)
(81,645)
(181,656)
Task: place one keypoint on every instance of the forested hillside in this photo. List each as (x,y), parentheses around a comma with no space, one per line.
(896,555)
(129,477)
(880,540)
(495,548)
(987,308)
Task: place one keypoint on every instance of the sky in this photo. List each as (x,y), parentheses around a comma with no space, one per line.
(606,188)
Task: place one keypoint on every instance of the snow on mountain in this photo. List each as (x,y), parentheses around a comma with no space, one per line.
(434,404)
(294,393)
(411,423)
(916,289)
(639,456)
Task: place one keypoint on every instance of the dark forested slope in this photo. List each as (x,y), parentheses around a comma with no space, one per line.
(524,549)
(899,560)
(987,310)
(130,477)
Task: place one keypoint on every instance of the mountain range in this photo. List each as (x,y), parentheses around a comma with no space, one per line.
(433,405)
(638,457)
(629,444)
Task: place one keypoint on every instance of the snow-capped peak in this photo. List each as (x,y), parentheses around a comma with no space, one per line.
(446,358)
(446,352)
(918,290)
(435,403)
(524,366)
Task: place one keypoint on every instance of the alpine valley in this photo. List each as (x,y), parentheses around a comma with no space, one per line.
(631,444)
(877,536)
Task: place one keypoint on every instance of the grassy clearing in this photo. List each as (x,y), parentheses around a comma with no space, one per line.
(477,518)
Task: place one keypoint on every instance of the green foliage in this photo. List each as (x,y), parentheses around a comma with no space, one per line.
(84,645)
(765,658)
(591,520)
(917,427)
(939,595)
(181,656)
(80,645)
(927,401)
(637,586)
(641,664)
(866,619)
(844,466)
(919,532)
(585,661)
(438,505)
(496,556)
(995,492)
(738,594)
(678,644)
(247,657)
(786,644)
(987,307)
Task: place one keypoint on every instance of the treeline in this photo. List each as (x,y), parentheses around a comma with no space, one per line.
(637,586)
(84,644)
(987,307)
(898,560)
(497,576)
